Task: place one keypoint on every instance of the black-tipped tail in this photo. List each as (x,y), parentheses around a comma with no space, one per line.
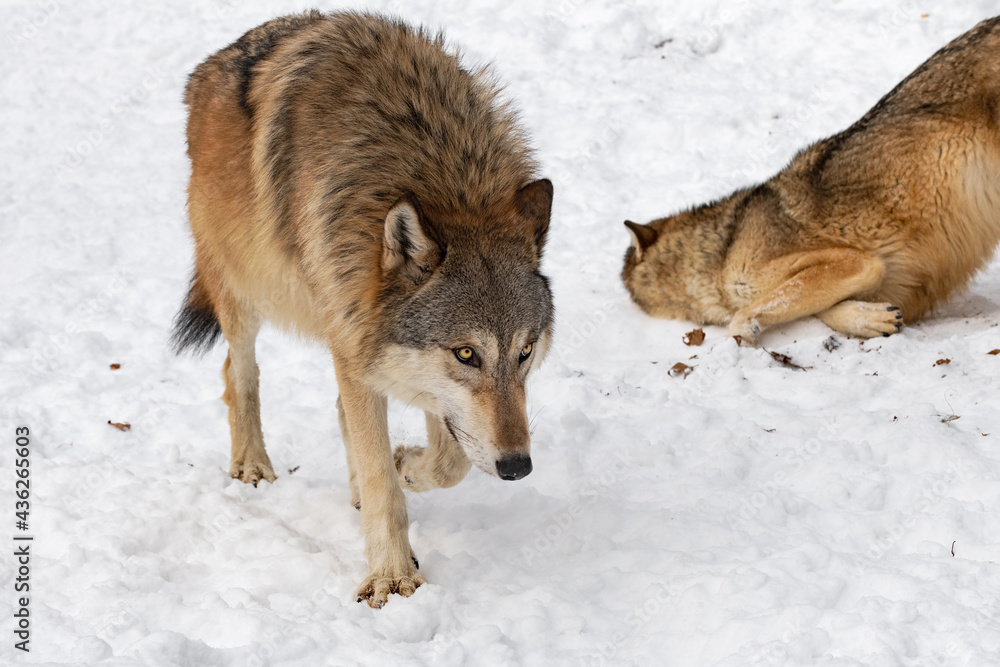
(196,327)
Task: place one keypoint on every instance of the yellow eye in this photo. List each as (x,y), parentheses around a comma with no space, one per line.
(465,354)
(526,350)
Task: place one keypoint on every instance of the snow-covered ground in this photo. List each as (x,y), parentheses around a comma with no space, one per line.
(748,514)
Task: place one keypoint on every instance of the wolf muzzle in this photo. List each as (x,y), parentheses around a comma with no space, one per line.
(513,468)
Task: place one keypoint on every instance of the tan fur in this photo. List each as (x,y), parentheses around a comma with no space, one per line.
(341,166)
(883,221)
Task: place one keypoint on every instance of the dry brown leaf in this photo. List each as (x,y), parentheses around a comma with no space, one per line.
(121,426)
(696,337)
(115,367)
(680,369)
(785,360)
(942,362)
(994,352)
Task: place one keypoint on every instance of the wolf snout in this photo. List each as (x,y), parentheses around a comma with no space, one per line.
(514,467)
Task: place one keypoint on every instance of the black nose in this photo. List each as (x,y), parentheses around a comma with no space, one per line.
(513,468)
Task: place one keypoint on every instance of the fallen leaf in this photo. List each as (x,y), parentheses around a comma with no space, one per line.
(115,367)
(680,369)
(121,426)
(785,360)
(942,362)
(994,352)
(696,337)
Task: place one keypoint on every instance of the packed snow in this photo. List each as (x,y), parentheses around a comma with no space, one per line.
(838,505)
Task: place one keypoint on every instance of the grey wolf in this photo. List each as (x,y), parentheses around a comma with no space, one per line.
(867,229)
(353,183)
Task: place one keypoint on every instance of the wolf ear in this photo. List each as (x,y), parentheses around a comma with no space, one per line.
(409,242)
(534,204)
(643,236)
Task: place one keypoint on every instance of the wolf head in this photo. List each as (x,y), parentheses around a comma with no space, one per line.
(672,268)
(653,271)
(470,316)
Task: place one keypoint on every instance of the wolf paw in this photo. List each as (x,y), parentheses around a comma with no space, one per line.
(745,329)
(405,458)
(864,318)
(377,588)
(251,470)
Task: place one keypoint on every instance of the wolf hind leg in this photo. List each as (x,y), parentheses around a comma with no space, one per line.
(249,460)
(865,319)
(441,464)
(345,433)
(808,283)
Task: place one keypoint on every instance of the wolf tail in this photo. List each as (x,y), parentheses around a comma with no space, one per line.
(196,326)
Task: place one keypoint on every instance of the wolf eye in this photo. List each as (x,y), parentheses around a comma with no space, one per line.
(526,351)
(466,355)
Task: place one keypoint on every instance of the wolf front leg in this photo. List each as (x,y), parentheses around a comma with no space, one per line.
(384,522)
(441,464)
(814,283)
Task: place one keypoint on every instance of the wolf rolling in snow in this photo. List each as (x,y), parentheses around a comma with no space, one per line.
(869,227)
(351,181)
